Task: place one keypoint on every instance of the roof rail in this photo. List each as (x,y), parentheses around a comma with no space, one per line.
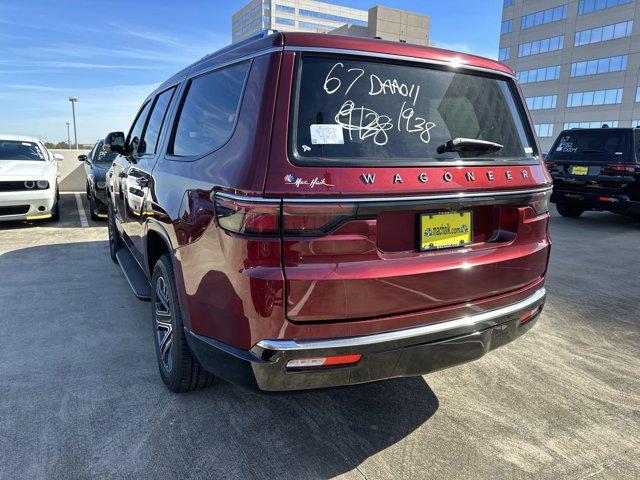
(256,36)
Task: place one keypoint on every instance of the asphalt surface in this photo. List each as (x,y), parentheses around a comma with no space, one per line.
(80,395)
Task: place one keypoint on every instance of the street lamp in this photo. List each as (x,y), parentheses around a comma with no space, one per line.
(73,101)
(68,137)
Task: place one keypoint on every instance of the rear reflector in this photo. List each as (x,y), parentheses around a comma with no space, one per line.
(528,315)
(607,199)
(301,363)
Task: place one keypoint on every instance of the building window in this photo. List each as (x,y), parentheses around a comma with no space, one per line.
(596,124)
(539,74)
(544,16)
(603,34)
(635,123)
(541,46)
(333,18)
(285,21)
(543,102)
(600,65)
(596,97)
(285,9)
(507,27)
(588,6)
(544,130)
(503,54)
(315,26)
(266,5)
(508,3)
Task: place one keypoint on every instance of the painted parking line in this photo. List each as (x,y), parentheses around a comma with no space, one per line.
(81,214)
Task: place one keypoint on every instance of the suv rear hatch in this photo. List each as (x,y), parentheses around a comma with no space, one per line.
(377,219)
(599,161)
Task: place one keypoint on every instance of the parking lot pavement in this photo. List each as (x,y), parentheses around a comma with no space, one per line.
(81,396)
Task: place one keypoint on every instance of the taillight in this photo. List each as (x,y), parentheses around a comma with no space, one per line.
(540,202)
(312,220)
(552,167)
(619,168)
(248,218)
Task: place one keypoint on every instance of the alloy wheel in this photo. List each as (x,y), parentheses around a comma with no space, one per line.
(164,328)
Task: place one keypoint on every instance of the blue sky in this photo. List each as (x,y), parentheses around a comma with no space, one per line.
(111,55)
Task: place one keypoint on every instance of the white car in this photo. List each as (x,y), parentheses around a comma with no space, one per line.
(28,179)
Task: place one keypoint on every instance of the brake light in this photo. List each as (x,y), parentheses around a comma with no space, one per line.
(335,361)
(620,168)
(310,220)
(540,202)
(248,218)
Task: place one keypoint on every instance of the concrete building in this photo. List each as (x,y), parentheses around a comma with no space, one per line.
(320,17)
(577,61)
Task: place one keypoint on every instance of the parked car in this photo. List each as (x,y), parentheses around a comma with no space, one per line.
(96,164)
(595,169)
(309,210)
(28,180)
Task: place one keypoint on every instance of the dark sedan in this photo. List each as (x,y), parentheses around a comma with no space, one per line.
(96,165)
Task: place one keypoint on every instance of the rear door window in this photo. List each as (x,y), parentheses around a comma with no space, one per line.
(156,119)
(597,145)
(209,111)
(351,111)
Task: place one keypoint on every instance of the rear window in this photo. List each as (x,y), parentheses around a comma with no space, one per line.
(14,150)
(598,145)
(208,115)
(350,111)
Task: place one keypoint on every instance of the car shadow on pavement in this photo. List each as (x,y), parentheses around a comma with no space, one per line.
(82,396)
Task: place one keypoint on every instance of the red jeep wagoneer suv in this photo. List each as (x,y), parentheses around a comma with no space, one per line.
(307,210)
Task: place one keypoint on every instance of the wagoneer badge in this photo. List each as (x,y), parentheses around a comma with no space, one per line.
(370,178)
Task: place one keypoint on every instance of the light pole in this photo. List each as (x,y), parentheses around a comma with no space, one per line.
(73,101)
(68,137)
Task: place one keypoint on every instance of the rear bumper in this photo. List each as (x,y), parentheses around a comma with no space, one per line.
(619,203)
(398,353)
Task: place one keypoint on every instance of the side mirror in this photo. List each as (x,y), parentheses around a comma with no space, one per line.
(58,156)
(114,142)
(82,158)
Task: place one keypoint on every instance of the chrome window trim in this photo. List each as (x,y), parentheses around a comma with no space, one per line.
(445,196)
(341,51)
(197,70)
(468,321)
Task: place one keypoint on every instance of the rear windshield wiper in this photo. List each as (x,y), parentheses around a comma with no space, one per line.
(468,145)
(591,151)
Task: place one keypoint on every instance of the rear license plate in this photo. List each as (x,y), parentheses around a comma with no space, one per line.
(580,170)
(444,230)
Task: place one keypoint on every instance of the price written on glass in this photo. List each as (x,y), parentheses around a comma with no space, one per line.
(366,123)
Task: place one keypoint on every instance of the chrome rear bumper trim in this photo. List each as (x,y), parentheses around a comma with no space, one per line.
(468,321)
(445,196)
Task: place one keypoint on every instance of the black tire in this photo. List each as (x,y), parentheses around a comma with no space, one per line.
(115,242)
(570,211)
(93,206)
(88,191)
(179,369)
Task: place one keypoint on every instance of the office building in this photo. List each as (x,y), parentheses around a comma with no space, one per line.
(320,17)
(577,62)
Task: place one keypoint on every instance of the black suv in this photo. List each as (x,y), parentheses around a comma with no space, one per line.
(595,169)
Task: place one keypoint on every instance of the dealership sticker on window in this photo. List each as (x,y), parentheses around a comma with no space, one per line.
(326,134)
